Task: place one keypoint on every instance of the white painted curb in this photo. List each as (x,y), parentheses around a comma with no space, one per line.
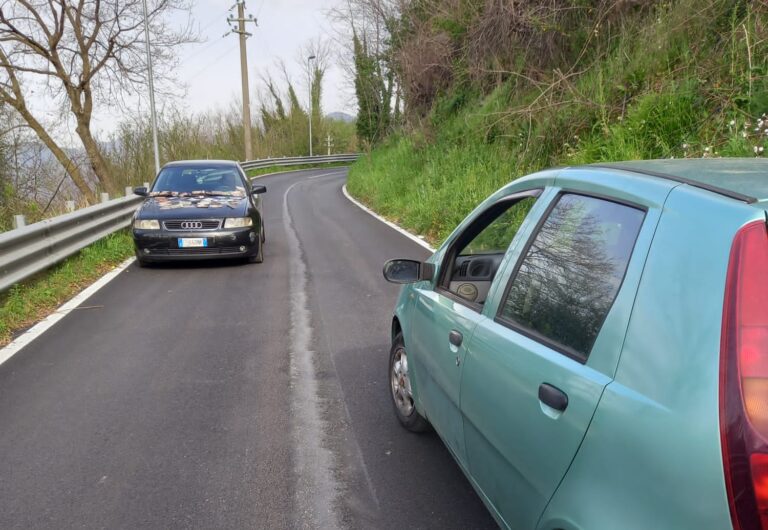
(390,224)
(41,327)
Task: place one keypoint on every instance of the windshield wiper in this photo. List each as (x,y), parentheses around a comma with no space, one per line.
(214,193)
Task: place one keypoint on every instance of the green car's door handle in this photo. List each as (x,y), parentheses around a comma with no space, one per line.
(553,397)
(455,338)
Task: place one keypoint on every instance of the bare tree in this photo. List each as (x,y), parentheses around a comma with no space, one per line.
(81,52)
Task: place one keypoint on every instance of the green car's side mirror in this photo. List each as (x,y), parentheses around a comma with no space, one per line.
(408,271)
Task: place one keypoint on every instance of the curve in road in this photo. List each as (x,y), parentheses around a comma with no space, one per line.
(230,395)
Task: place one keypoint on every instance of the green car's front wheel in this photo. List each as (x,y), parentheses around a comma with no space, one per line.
(401,391)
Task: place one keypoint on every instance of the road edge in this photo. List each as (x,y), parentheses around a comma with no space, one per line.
(403,231)
(63,310)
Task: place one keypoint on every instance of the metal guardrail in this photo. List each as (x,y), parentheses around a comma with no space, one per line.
(30,249)
(27,250)
(297,161)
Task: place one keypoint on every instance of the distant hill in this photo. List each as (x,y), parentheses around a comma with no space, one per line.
(340,116)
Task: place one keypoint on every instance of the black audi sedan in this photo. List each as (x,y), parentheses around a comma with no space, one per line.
(199,209)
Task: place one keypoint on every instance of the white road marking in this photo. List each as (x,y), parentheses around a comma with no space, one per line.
(317,489)
(41,327)
(390,224)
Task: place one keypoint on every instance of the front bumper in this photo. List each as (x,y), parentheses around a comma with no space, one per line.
(163,245)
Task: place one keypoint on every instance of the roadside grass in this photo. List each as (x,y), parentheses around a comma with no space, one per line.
(30,301)
(287,169)
(687,81)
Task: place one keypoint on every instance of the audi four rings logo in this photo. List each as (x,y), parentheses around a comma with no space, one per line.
(191,225)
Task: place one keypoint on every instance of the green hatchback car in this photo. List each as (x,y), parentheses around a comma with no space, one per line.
(591,344)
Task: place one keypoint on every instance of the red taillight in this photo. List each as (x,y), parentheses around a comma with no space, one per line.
(744,379)
(759,468)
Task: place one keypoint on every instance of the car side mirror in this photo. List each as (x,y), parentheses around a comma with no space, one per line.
(141,191)
(258,190)
(408,271)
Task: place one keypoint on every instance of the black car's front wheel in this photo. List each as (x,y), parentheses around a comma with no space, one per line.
(141,261)
(400,388)
(259,257)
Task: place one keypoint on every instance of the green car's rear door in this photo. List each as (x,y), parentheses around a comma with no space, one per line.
(536,368)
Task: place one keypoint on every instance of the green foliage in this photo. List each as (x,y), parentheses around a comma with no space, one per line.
(374,94)
(684,79)
(657,125)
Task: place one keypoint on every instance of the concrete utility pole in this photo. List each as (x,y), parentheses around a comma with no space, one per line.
(309,78)
(151,90)
(241,20)
(329,143)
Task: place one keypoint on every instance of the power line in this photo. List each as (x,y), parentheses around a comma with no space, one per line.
(214,20)
(197,53)
(205,68)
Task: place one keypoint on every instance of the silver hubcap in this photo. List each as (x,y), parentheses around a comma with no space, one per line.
(401,384)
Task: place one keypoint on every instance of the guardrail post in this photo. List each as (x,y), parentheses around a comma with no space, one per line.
(128,191)
(69,206)
(104,196)
(146,185)
(19,221)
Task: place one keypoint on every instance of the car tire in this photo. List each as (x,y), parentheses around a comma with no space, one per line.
(400,389)
(142,262)
(259,257)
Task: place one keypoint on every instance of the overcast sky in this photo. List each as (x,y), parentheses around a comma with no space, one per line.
(211,68)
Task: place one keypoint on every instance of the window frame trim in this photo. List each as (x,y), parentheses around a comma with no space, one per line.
(532,333)
(450,251)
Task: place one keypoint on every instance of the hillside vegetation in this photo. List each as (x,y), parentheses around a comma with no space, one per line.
(509,87)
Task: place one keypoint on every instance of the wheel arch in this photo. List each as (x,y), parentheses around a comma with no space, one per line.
(396,327)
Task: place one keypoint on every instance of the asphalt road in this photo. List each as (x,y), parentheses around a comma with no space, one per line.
(230,395)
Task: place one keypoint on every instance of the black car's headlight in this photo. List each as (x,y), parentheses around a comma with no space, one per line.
(238,222)
(146,224)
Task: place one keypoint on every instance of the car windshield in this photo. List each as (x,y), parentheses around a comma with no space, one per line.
(199,180)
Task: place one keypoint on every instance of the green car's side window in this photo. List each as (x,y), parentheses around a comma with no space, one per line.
(496,237)
(473,260)
(571,272)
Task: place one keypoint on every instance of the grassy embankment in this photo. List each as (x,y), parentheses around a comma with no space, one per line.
(34,299)
(686,80)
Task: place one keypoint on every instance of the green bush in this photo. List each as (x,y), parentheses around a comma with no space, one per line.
(686,79)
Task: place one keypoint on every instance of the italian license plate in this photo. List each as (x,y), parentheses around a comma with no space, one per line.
(192,242)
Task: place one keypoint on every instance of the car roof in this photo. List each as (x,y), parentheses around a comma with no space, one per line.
(203,163)
(745,179)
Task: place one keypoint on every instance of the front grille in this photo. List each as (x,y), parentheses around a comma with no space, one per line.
(208,251)
(192,225)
